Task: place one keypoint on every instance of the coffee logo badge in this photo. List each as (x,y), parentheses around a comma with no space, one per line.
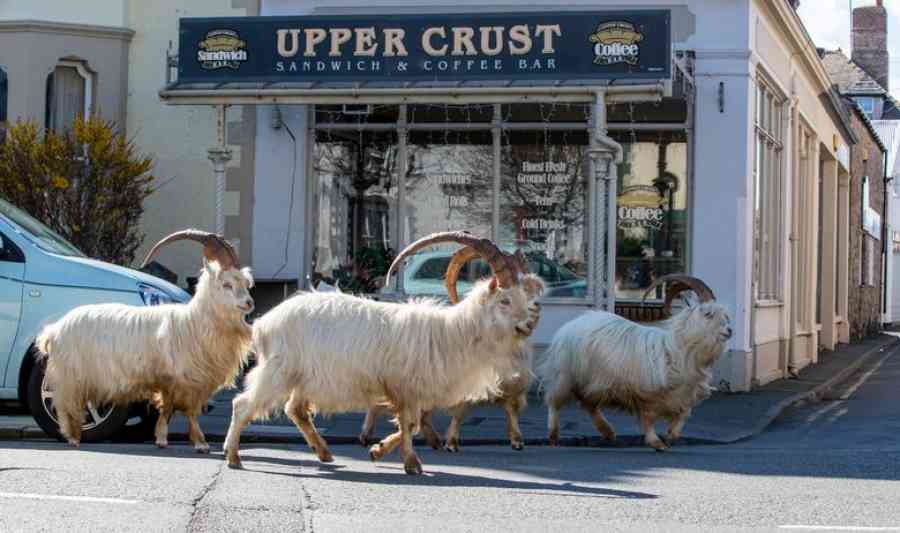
(222,49)
(639,206)
(616,42)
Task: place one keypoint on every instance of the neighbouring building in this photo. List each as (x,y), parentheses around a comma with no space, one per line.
(868,201)
(628,143)
(863,78)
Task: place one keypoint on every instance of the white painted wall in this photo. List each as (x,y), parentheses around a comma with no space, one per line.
(178,136)
(279,230)
(93,12)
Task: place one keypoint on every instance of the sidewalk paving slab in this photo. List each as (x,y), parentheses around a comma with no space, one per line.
(722,419)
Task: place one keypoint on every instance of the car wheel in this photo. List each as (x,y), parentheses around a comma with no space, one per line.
(100,422)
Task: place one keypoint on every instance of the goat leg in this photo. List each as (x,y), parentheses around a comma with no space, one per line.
(297,410)
(650,436)
(428,432)
(196,434)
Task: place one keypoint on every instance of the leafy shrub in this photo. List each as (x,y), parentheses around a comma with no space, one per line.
(87,183)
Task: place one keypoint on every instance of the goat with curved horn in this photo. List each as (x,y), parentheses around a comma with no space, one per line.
(175,356)
(215,247)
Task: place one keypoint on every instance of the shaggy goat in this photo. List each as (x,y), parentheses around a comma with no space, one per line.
(511,388)
(653,371)
(331,352)
(175,355)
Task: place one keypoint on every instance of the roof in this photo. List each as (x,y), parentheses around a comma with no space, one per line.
(889,132)
(848,76)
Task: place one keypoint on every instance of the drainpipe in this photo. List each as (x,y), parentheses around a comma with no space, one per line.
(885,249)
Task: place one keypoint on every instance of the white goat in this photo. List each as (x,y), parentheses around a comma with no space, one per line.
(174,355)
(511,388)
(653,371)
(331,352)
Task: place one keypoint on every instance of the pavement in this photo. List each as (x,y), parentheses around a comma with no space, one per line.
(724,418)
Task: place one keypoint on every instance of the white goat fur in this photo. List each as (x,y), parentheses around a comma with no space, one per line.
(508,392)
(176,355)
(654,371)
(331,352)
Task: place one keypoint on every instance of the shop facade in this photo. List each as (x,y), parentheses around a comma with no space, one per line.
(727,160)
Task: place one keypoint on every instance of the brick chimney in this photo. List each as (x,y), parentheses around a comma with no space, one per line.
(870,41)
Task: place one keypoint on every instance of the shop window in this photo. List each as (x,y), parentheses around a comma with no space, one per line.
(667,111)
(543,204)
(4,91)
(449,186)
(356,182)
(768,176)
(545,113)
(652,202)
(68,95)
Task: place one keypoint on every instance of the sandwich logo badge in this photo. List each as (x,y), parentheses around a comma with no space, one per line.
(616,42)
(222,49)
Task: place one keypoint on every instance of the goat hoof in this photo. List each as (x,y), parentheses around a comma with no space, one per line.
(364,440)
(452,446)
(659,446)
(412,466)
(235,465)
(326,457)
(376,452)
(518,446)
(74,443)
(554,442)
(162,444)
(201,448)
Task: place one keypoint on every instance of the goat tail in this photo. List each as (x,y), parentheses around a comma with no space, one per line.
(45,342)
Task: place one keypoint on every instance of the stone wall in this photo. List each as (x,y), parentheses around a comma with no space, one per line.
(864,307)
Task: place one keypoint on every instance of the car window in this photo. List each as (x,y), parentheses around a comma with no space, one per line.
(433,268)
(41,235)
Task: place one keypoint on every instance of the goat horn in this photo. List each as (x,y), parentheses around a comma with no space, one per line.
(215,247)
(503,270)
(679,283)
(460,258)
(464,255)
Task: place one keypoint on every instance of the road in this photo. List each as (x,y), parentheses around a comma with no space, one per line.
(829,466)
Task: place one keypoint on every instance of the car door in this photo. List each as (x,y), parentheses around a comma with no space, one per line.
(12,276)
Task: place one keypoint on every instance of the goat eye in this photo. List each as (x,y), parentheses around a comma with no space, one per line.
(709,314)
(227,286)
(505,301)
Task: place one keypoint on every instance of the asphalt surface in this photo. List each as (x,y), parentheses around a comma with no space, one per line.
(827,466)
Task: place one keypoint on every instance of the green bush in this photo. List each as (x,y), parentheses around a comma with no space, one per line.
(87,183)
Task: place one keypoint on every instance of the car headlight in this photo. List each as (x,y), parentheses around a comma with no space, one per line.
(153,296)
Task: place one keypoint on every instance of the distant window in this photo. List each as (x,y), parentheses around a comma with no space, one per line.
(867,103)
(68,95)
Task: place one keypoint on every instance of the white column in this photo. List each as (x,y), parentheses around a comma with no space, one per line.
(220,155)
(605,154)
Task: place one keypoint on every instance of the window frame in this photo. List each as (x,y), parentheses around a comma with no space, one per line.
(87,78)
(866,101)
(769,174)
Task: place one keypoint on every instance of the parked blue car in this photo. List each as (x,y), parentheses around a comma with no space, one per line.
(42,277)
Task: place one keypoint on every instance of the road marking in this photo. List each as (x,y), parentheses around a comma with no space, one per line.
(865,377)
(843,528)
(31,496)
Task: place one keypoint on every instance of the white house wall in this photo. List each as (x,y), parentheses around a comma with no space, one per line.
(89,12)
(178,136)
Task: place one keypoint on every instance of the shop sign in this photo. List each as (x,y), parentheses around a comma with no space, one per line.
(560,45)
(639,206)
